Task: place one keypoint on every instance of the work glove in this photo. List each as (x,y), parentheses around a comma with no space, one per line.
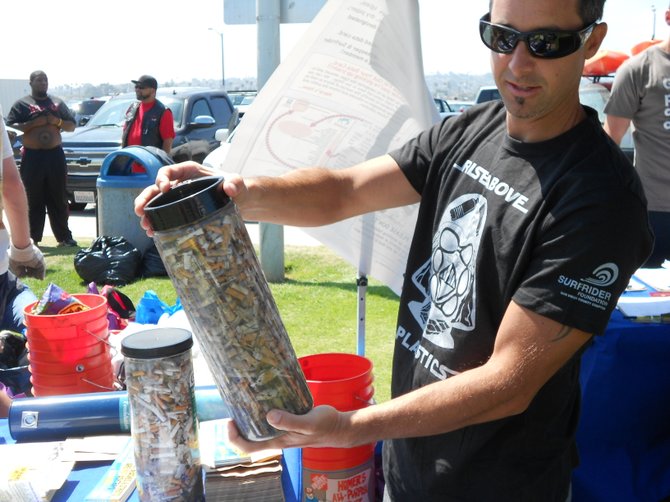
(27,262)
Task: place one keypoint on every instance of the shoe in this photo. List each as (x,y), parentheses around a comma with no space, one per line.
(68,243)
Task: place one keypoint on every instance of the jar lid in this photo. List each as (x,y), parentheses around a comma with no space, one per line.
(186,203)
(156,343)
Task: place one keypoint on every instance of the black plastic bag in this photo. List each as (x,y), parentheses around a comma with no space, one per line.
(109,260)
(152,263)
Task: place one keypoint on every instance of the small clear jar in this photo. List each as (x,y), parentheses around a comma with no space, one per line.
(163,424)
(210,258)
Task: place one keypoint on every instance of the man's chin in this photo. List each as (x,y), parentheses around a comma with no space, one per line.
(42,94)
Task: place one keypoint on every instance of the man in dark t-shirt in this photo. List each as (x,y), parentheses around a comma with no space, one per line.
(42,117)
(514,265)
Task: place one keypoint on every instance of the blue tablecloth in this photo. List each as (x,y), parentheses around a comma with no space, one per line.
(85,475)
(624,430)
(623,435)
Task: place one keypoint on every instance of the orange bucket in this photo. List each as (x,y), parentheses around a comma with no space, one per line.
(69,353)
(343,381)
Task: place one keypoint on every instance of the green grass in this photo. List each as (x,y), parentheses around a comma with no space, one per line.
(317,302)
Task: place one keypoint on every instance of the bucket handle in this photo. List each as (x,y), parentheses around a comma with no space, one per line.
(369,402)
(113,350)
(95,384)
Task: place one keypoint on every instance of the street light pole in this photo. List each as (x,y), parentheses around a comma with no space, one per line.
(223,74)
(653,32)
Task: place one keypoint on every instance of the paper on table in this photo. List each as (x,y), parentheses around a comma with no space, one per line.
(35,473)
(643,306)
(94,448)
(656,278)
(216,451)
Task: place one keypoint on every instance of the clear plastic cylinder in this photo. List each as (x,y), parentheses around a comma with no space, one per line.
(163,424)
(210,258)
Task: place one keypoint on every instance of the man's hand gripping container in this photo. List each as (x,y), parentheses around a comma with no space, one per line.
(212,263)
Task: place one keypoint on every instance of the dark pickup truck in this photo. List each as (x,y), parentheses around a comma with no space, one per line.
(198,114)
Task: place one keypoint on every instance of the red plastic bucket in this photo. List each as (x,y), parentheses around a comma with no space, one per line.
(93,374)
(40,366)
(343,381)
(69,353)
(64,354)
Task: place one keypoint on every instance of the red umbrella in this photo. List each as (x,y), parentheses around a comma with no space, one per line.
(637,48)
(605,62)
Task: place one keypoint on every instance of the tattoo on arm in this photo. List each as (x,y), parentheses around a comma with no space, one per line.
(562,333)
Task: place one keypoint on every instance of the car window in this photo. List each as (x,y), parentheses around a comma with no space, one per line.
(90,107)
(236,99)
(222,111)
(111,113)
(176,106)
(492,94)
(200,107)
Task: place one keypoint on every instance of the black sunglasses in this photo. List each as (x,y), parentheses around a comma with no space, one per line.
(548,44)
(139,87)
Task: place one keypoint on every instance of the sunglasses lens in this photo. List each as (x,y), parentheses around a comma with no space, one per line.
(500,39)
(541,44)
(553,45)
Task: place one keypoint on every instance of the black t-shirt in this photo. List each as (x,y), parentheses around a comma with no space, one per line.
(557,226)
(29,108)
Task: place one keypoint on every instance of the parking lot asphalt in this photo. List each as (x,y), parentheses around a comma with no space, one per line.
(83,225)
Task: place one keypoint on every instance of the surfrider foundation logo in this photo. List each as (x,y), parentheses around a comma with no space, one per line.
(591,290)
(605,275)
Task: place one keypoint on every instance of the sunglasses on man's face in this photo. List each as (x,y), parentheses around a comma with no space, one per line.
(548,44)
(141,87)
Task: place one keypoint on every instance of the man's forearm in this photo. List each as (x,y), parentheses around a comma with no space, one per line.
(305,197)
(39,121)
(319,196)
(473,397)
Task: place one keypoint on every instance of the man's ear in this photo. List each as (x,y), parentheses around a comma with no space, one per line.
(595,40)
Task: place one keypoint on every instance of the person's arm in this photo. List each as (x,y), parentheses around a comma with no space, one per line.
(66,125)
(39,121)
(60,123)
(529,350)
(5,403)
(15,204)
(304,197)
(64,120)
(25,259)
(166,129)
(167,145)
(616,127)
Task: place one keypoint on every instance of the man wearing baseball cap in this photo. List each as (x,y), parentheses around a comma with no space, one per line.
(148,121)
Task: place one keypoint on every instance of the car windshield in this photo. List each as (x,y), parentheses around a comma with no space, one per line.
(176,106)
(113,113)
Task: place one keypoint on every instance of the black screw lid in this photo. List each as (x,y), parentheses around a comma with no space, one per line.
(186,203)
(156,343)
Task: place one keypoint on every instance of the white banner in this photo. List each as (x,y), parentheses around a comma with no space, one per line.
(353,89)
